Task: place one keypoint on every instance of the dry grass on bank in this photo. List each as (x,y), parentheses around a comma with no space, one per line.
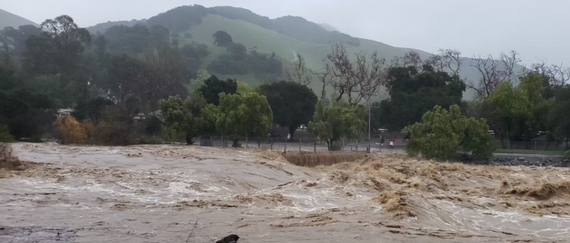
(310,159)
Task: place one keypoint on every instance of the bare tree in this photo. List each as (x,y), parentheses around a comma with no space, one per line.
(359,80)
(557,74)
(447,60)
(412,58)
(325,79)
(160,78)
(493,72)
(409,59)
(300,73)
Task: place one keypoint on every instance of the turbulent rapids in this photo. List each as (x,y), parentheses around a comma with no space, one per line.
(157,193)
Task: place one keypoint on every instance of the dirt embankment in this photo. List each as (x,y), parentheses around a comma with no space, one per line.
(156,194)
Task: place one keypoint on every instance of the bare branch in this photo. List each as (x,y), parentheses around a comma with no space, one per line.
(359,80)
(300,73)
(447,60)
(412,58)
(557,74)
(325,79)
(494,72)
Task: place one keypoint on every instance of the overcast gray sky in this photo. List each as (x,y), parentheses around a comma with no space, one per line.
(537,29)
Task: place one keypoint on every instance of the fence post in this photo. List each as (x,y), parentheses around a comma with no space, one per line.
(271,142)
(299,145)
(285,150)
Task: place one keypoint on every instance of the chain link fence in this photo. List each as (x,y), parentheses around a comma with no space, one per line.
(298,144)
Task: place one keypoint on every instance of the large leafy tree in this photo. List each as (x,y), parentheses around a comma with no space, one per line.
(183,117)
(293,104)
(13,40)
(443,133)
(414,92)
(335,122)
(213,87)
(56,87)
(243,116)
(27,113)
(150,79)
(222,38)
(58,49)
(518,113)
(91,109)
(559,114)
(504,107)
(135,39)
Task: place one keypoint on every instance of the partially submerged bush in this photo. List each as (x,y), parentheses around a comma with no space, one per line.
(442,134)
(71,131)
(8,161)
(5,135)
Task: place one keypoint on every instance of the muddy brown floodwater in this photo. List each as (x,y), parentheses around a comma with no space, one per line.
(157,194)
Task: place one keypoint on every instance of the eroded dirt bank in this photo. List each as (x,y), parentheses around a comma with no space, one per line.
(157,193)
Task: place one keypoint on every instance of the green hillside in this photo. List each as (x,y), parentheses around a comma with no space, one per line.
(8,19)
(255,37)
(283,36)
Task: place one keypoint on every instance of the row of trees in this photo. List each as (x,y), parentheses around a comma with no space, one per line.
(518,103)
(533,108)
(219,108)
(61,65)
(241,115)
(144,69)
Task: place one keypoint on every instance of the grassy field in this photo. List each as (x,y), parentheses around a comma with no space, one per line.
(521,151)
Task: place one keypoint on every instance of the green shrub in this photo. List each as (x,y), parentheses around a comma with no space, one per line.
(5,135)
(442,134)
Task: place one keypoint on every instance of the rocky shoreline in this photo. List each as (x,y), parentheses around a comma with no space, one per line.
(530,160)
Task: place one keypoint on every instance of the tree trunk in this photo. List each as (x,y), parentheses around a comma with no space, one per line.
(333,145)
(189,139)
(502,138)
(235,143)
(292,132)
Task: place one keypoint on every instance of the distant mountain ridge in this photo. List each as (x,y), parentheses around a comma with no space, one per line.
(8,19)
(283,36)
